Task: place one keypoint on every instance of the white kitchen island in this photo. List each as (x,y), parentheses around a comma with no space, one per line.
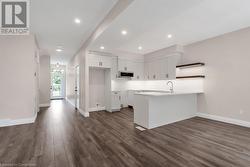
(154,109)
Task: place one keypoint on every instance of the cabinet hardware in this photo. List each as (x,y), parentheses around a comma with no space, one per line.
(154,76)
(166,75)
(138,77)
(125,68)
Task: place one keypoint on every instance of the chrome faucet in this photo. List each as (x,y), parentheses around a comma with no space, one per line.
(171,86)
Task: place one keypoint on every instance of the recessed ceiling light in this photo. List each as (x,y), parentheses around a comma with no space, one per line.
(124,32)
(59,50)
(77,21)
(170,35)
(102,47)
(139,47)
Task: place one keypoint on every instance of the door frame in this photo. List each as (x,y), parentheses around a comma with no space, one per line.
(62,67)
(77,87)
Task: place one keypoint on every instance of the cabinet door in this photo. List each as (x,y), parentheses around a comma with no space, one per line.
(138,71)
(100,61)
(164,73)
(124,99)
(146,71)
(122,65)
(105,62)
(154,70)
(93,61)
(116,100)
(114,68)
(131,97)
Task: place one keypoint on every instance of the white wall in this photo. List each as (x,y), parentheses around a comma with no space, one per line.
(96,87)
(77,60)
(18,80)
(227,82)
(44,81)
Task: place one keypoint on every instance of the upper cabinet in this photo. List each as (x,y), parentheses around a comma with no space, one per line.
(99,61)
(134,66)
(161,65)
(161,69)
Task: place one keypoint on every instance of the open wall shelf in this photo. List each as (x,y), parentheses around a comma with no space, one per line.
(190,65)
(193,76)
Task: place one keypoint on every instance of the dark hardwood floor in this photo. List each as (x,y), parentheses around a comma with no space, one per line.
(61,137)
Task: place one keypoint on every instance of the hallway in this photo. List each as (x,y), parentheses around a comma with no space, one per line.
(62,137)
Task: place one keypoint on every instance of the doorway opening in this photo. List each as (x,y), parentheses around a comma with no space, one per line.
(58,83)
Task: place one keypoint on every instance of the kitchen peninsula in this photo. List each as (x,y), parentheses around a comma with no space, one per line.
(158,108)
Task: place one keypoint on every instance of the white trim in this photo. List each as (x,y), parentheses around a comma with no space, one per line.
(44,105)
(70,102)
(12,122)
(85,114)
(224,119)
(97,109)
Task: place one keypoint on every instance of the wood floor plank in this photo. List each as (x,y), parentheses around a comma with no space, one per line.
(62,137)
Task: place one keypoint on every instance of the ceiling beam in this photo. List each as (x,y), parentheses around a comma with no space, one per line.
(118,8)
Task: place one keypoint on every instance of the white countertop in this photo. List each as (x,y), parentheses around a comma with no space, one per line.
(164,93)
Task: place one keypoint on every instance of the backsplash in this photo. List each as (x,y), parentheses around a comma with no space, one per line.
(185,85)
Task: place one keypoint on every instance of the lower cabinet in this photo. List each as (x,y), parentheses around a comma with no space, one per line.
(131,97)
(119,100)
(116,100)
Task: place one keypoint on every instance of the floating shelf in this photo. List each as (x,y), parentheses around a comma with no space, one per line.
(190,65)
(192,76)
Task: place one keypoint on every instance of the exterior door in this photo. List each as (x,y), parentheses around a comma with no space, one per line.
(57,83)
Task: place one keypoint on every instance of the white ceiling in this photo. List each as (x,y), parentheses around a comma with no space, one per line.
(52,21)
(149,21)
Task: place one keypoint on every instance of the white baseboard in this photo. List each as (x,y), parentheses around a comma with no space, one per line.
(12,122)
(85,114)
(70,102)
(44,105)
(97,109)
(224,119)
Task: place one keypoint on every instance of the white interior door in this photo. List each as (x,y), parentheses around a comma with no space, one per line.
(77,87)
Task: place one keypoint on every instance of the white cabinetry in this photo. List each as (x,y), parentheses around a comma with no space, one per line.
(99,61)
(134,66)
(138,71)
(131,97)
(161,68)
(116,101)
(114,68)
(124,65)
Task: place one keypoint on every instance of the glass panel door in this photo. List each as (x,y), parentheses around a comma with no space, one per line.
(57,86)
